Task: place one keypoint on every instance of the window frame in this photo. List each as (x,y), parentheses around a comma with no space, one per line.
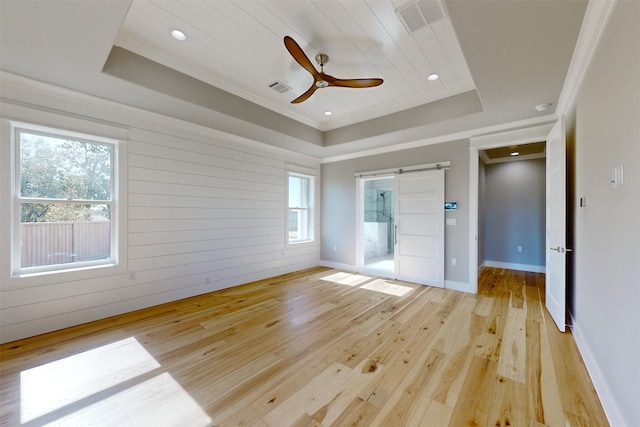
(17,200)
(310,208)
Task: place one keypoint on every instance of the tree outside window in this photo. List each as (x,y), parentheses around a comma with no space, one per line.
(64,201)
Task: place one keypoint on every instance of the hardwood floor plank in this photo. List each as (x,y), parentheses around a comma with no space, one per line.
(535,408)
(314,348)
(411,392)
(509,404)
(358,413)
(534,305)
(551,401)
(472,407)
(576,390)
(512,362)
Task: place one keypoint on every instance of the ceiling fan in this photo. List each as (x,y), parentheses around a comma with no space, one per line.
(320,79)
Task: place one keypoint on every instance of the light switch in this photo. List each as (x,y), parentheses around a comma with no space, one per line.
(452,221)
(619,175)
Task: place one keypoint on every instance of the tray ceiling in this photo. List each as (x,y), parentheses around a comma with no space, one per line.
(496,59)
(238,46)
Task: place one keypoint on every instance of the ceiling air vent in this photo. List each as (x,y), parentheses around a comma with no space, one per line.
(279,87)
(418,14)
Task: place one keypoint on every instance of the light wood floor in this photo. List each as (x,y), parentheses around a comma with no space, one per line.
(313,348)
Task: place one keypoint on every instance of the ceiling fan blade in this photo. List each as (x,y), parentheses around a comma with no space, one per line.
(298,54)
(305,95)
(356,83)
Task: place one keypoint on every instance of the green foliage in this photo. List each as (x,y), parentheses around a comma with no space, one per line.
(62,169)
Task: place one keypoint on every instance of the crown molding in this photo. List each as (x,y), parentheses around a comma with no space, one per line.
(595,21)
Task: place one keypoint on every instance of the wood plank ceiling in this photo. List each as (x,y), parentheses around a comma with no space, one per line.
(237,46)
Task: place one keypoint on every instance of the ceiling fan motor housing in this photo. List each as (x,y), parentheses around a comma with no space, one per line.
(322,59)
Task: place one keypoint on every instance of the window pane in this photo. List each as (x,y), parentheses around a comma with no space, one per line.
(60,233)
(298,224)
(294,232)
(294,191)
(300,204)
(304,192)
(298,192)
(59,168)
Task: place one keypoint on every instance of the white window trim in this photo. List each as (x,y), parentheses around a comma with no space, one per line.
(118,201)
(311,208)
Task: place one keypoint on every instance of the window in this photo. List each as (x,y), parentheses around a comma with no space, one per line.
(300,212)
(64,201)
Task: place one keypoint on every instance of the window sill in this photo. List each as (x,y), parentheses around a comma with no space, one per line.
(300,242)
(21,280)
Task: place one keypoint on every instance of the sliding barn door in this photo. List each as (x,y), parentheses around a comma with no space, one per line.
(419,227)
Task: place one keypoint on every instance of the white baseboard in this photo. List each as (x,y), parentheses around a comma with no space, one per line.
(514,266)
(611,409)
(458,286)
(338,266)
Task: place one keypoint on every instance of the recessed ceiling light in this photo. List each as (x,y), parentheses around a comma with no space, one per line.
(328,113)
(178,35)
(515,153)
(543,107)
(433,77)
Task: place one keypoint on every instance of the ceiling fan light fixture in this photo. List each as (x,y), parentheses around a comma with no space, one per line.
(178,35)
(433,77)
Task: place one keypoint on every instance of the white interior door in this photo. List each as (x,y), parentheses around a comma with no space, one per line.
(556,251)
(419,227)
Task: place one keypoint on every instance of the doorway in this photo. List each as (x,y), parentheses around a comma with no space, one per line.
(503,139)
(556,239)
(378,226)
(511,209)
(400,232)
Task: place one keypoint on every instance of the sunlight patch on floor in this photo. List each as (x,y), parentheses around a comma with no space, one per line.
(94,382)
(368,283)
(54,385)
(159,401)
(348,279)
(381,285)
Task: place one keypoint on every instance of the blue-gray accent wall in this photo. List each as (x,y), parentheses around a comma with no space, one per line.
(514,212)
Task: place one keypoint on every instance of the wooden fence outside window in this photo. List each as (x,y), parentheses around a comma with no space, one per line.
(47,243)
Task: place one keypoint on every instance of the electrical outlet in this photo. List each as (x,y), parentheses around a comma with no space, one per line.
(453,261)
(519,248)
(132,275)
(207,280)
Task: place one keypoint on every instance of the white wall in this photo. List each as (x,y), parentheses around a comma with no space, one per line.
(607,230)
(201,204)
